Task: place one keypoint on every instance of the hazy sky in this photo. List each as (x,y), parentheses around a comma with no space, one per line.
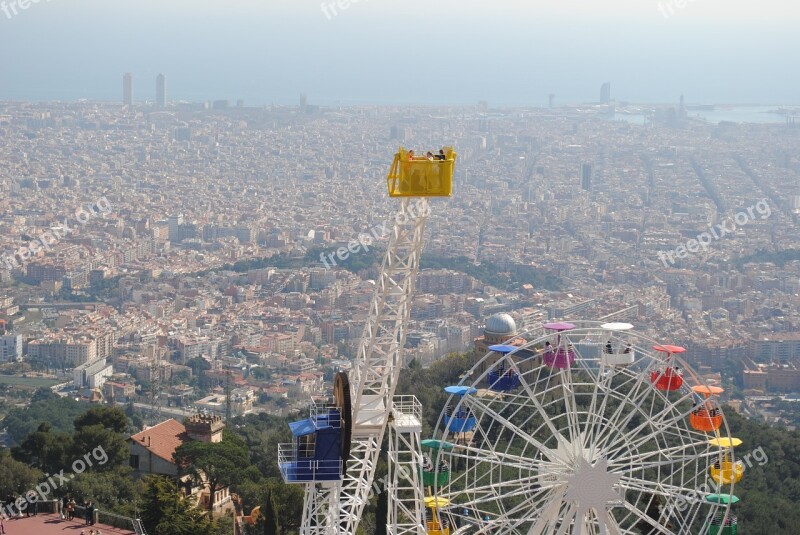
(404,51)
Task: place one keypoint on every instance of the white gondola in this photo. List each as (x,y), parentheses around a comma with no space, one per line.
(618,350)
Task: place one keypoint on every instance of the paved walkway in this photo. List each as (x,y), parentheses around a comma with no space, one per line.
(48,524)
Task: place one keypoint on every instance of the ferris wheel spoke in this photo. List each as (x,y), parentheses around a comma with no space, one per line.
(608,524)
(549,515)
(665,490)
(625,403)
(530,508)
(632,467)
(571,408)
(658,527)
(488,480)
(509,520)
(552,455)
(654,421)
(630,462)
(659,428)
(618,433)
(500,492)
(602,427)
(595,419)
(487,483)
(532,397)
(569,517)
(499,457)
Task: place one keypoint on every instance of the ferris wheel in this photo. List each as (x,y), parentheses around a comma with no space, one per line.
(589,428)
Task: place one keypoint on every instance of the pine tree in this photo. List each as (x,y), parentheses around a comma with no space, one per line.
(269,512)
(167,512)
(382,513)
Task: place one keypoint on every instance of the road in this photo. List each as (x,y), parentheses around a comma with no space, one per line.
(167,411)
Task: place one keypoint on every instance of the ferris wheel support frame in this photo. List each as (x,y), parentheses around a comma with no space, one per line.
(406,512)
(374,379)
(318,508)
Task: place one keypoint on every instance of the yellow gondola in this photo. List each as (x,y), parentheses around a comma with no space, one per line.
(435,524)
(726,471)
(418,176)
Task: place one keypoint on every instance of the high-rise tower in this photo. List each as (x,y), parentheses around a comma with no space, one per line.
(161,90)
(127,89)
(605,93)
(586,177)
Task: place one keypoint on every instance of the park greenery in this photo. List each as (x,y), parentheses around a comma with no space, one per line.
(506,277)
(779,258)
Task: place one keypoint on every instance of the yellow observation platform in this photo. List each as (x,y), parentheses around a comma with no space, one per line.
(418,175)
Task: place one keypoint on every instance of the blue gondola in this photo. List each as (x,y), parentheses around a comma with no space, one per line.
(459,419)
(502,378)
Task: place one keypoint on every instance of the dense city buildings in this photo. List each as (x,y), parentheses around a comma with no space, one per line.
(203,246)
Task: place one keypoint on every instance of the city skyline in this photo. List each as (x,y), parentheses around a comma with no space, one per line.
(542,50)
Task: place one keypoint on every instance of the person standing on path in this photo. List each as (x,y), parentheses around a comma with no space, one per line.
(90,514)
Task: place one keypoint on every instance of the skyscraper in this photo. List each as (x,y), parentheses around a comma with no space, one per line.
(586,177)
(175,224)
(127,89)
(605,93)
(161,90)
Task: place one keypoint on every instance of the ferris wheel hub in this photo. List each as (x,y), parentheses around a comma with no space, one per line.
(593,487)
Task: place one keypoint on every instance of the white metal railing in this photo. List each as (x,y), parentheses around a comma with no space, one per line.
(408,405)
(322,411)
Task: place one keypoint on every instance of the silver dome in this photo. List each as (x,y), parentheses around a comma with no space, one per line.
(501,324)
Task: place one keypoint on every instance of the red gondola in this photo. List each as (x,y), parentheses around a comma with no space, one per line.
(668,378)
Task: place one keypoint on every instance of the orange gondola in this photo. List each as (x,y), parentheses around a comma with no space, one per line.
(706,417)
